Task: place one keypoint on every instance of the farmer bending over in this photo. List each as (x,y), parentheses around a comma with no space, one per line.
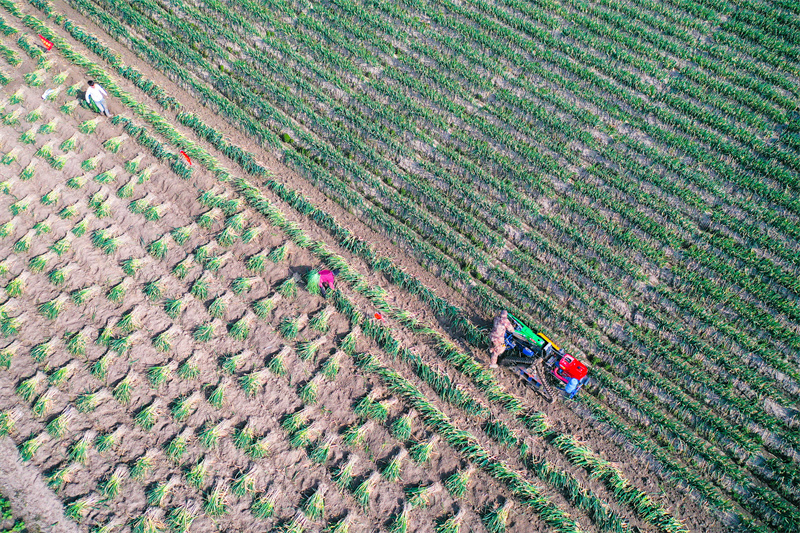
(497,339)
(97,95)
(326,278)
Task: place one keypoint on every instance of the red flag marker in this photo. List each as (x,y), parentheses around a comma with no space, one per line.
(186,156)
(378,316)
(47,44)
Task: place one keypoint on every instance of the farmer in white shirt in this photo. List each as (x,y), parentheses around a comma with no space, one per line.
(96,95)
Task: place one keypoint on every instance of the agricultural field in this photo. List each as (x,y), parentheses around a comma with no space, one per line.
(623,174)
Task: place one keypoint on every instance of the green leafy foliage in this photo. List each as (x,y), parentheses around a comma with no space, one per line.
(204,332)
(289,327)
(263,507)
(180,518)
(147,416)
(196,475)
(496,519)
(216,500)
(458,482)
(240,329)
(245,483)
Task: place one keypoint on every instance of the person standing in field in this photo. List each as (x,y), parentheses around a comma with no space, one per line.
(97,95)
(497,339)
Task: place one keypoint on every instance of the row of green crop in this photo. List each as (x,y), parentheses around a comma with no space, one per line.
(437,380)
(776,505)
(7,514)
(463,441)
(644,407)
(449,388)
(625,159)
(533,38)
(765,296)
(708,260)
(728,65)
(448,391)
(247,161)
(428,225)
(769,20)
(149,410)
(501,433)
(300,427)
(139,137)
(588,59)
(392,348)
(748,206)
(607,40)
(716,59)
(542,273)
(622,357)
(680,186)
(468,195)
(145,417)
(466,222)
(773,51)
(460,60)
(60,424)
(692,411)
(494,400)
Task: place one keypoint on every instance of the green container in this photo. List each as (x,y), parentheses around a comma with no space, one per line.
(524,331)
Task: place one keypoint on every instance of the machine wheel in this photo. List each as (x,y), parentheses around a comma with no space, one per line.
(540,375)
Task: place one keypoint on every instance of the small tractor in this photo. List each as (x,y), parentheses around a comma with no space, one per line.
(535,359)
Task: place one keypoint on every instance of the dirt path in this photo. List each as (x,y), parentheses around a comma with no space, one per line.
(30,497)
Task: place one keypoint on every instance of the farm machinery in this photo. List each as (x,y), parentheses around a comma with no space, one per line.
(536,359)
